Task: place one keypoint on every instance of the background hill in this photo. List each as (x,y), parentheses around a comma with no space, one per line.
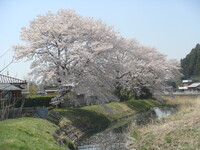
(191,64)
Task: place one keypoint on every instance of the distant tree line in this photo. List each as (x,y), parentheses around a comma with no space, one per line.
(191,64)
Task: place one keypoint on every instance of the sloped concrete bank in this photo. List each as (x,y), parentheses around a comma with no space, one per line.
(67,130)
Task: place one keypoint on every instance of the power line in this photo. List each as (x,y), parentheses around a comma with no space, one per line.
(5,53)
(7,65)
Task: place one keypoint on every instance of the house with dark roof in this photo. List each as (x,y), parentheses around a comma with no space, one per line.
(11,87)
(189,85)
(185,84)
(194,87)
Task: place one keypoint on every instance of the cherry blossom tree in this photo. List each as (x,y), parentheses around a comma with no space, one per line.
(84,54)
(65,46)
(145,67)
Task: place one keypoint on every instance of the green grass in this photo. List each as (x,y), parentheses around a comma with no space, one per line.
(98,117)
(38,134)
(90,118)
(135,135)
(28,134)
(140,105)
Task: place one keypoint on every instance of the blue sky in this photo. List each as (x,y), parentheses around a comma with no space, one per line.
(172,26)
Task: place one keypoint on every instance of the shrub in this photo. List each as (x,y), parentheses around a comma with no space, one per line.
(69,144)
(145,93)
(124,94)
(36,101)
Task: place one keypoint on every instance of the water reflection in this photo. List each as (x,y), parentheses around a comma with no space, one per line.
(164,112)
(114,139)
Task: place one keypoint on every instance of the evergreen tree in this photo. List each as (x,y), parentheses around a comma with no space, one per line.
(191,63)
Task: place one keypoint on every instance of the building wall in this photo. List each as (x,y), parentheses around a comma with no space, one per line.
(10,94)
(16,94)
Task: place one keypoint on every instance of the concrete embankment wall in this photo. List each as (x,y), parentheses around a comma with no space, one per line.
(67,130)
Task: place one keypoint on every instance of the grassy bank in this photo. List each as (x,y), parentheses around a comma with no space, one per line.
(29,134)
(180,131)
(98,116)
(35,133)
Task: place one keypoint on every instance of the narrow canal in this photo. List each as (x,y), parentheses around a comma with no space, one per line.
(116,136)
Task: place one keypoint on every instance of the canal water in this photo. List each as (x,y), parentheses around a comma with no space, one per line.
(164,112)
(116,138)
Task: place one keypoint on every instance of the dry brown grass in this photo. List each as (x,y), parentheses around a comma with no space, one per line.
(177,132)
(184,102)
